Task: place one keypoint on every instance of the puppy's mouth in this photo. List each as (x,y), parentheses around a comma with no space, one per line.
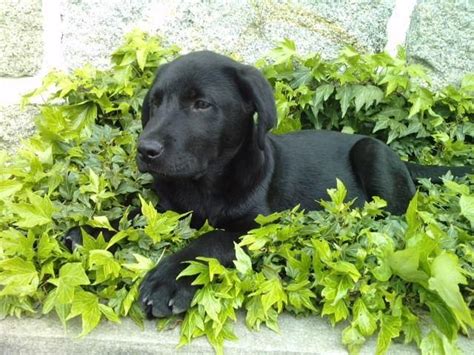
(180,169)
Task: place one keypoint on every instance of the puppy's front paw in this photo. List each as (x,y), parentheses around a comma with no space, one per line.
(161,295)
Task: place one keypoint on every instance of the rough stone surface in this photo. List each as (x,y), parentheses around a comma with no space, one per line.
(93,29)
(441,37)
(248,28)
(251,28)
(311,335)
(363,21)
(21,41)
(16,124)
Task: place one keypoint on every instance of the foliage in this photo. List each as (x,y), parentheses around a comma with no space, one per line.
(379,272)
(374,94)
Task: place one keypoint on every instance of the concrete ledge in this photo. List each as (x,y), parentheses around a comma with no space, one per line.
(311,335)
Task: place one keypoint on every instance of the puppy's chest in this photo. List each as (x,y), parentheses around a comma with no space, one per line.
(204,204)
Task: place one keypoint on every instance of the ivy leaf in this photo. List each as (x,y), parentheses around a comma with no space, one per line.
(364,320)
(18,277)
(321,95)
(422,100)
(242,261)
(284,52)
(15,243)
(141,267)
(436,343)
(467,207)
(390,327)
(446,274)
(366,95)
(467,82)
(273,294)
(71,275)
(345,94)
(159,225)
(405,263)
(109,313)
(103,262)
(353,339)
(81,115)
(142,54)
(300,296)
(36,213)
(9,188)
(86,305)
(442,315)
(101,222)
(455,187)
(207,299)
(48,247)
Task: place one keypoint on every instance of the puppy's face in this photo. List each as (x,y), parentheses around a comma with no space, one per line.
(195,117)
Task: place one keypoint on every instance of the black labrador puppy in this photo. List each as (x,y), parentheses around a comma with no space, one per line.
(209,155)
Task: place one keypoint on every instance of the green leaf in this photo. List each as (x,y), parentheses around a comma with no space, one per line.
(366,95)
(159,225)
(346,268)
(467,82)
(273,294)
(284,52)
(345,94)
(100,222)
(437,344)
(405,263)
(142,54)
(422,101)
(18,277)
(86,305)
(322,94)
(48,247)
(242,263)
(70,276)
(263,220)
(9,188)
(15,243)
(105,265)
(353,339)
(390,327)
(207,299)
(141,267)
(109,313)
(446,275)
(442,315)
(455,187)
(36,213)
(467,207)
(364,320)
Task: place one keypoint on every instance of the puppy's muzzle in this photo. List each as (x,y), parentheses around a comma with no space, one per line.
(149,151)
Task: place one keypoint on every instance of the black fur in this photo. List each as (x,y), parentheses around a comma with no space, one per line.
(207,155)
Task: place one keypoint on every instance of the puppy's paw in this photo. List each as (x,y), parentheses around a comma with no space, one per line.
(161,295)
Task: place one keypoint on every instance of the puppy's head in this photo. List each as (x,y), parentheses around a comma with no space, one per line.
(199,112)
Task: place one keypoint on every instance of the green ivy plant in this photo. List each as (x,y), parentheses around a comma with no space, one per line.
(378,272)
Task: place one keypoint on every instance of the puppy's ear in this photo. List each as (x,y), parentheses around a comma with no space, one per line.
(257,91)
(146,109)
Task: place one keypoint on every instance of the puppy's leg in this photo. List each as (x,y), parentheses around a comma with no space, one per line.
(381,173)
(161,295)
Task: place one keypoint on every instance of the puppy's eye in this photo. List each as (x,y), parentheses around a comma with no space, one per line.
(201,105)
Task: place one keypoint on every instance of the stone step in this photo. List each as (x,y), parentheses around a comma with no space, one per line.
(310,335)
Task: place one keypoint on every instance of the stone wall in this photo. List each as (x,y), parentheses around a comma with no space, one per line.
(37,36)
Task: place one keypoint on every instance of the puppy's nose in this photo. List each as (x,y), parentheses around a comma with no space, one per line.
(150,150)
